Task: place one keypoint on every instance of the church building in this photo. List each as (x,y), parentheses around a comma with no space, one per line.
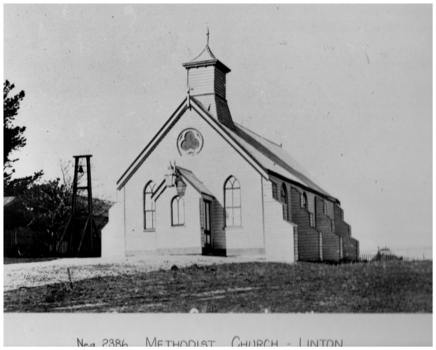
(207,185)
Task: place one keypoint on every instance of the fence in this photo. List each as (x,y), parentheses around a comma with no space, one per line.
(25,241)
(388,253)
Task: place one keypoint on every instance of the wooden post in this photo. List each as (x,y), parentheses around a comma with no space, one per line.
(69,233)
(90,218)
(320,245)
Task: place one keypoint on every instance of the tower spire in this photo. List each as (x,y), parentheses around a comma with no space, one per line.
(207,84)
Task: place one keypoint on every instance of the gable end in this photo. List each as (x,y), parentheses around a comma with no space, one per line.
(151,145)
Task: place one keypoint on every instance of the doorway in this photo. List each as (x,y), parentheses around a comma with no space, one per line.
(207,228)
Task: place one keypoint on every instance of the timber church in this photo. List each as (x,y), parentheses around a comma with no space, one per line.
(207,185)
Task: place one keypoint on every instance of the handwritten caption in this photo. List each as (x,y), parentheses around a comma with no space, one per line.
(235,342)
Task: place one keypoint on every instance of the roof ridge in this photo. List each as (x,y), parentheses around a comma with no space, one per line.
(243,127)
(296,169)
(179,167)
(181,106)
(228,131)
(192,181)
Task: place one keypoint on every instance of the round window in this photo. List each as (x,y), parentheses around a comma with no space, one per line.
(190,141)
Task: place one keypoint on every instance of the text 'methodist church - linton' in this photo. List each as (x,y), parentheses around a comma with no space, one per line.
(206,185)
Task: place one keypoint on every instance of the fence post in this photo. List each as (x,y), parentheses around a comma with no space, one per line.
(295,243)
(320,245)
(341,249)
(357,250)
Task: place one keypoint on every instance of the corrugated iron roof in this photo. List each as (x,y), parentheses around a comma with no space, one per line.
(264,155)
(270,156)
(194,181)
(278,157)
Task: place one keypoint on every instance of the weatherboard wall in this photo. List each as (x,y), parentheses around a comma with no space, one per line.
(220,83)
(331,243)
(309,239)
(207,80)
(322,241)
(279,233)
(350,246)
(216,162)
(112,235)
(201,80)
(183,239)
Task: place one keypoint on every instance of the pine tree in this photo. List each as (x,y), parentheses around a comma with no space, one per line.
(13,140)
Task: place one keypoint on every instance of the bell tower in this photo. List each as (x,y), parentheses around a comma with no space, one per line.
(207,84)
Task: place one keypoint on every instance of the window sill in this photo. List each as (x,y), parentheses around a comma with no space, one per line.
(176,226)
(149,230)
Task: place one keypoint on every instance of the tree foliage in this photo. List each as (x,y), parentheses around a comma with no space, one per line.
(47,205)
(44,206)
(13,140)
(13,135)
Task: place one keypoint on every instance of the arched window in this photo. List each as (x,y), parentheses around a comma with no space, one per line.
(284,200)
(149,207)
(304,200)
(274,190)
(177,211)
(232,202)
(283,194)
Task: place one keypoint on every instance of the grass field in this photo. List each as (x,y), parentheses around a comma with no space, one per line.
(377,287)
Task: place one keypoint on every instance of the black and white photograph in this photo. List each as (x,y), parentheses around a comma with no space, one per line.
(204,165)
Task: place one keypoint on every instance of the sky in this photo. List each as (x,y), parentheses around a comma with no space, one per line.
(346,90)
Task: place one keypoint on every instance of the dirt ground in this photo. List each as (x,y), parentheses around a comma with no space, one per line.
(218,285)
(48,272)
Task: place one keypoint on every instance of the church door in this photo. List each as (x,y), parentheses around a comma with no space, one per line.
(207,226)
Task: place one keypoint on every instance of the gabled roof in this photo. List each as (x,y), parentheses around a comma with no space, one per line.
(265,156)
(194,181)
(272,157)
(150,146)
(279,158)
(193,103)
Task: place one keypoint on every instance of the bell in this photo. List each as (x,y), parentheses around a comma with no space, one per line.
(80,171)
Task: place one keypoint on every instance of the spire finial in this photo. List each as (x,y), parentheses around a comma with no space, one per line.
(207,35)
